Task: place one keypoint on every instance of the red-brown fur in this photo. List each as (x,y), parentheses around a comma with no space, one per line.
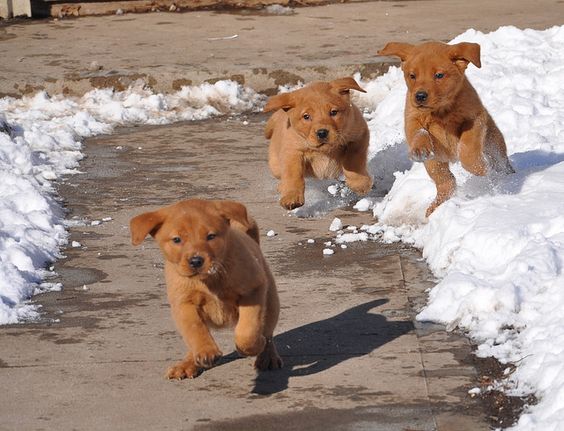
(451,124)
(296,148)
(233,285)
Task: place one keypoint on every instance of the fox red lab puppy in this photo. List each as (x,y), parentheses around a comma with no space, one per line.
(316,131)
(445,120)
(216,276)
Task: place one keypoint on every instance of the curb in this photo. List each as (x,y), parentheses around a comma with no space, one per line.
(260,79)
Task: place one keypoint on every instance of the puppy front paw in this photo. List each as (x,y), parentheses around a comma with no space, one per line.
(421,151)
(186,369)
(360,185)
(292,200)
(269,358)
(207,356)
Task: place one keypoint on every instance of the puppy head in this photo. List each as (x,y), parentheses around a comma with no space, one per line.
(318,112)
(433,71)
(193,235)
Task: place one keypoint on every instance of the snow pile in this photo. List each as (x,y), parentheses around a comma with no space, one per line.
(40,140)
(498,246)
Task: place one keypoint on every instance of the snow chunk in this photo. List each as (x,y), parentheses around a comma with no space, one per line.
(336,225)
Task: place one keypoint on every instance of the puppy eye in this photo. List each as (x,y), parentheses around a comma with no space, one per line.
(412,76)
(210,236)
(439,75)
(306,117)
(333,112)
(177,240)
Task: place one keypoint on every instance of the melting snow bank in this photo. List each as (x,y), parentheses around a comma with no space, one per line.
(498,245)
(40,140)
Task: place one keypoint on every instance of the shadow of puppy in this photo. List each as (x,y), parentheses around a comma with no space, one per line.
(319,346)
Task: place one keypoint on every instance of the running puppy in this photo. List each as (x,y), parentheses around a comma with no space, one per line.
(316,131)
(216,276)
(445,120)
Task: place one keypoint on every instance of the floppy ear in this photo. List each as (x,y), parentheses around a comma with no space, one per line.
(463,53)
(145,224)
(343,85)
(236,214)
(398,49)
(283,101)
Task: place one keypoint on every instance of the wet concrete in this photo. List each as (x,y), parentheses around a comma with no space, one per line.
(354,357)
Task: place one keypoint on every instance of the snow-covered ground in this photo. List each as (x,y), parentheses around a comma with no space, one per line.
(496,247)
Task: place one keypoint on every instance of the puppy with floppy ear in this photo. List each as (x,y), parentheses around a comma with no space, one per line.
(317,131)
(445,120)
(216,276)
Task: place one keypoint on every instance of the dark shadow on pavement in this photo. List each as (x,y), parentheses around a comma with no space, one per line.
(320,345)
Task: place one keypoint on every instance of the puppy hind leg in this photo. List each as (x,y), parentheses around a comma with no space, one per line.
(482,149)
(269,359)
(471,150)
(444,182)
(354,168)
(495,151)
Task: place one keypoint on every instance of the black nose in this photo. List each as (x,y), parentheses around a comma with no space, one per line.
(421,96)
(196,262)
(322,133)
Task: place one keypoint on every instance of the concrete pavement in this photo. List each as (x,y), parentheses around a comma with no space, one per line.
(354,359)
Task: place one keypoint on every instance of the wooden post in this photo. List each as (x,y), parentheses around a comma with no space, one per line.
(21,8)
(5,9)
(14,8)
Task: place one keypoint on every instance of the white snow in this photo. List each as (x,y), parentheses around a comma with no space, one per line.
(365,204)
(351,237)
(497,247)
(276,9)
(40,141)
(336,225)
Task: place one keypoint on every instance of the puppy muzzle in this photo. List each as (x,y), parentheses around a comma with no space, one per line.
(421,99)
(321,138)
(322,135)
(195,265)
(196,262)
